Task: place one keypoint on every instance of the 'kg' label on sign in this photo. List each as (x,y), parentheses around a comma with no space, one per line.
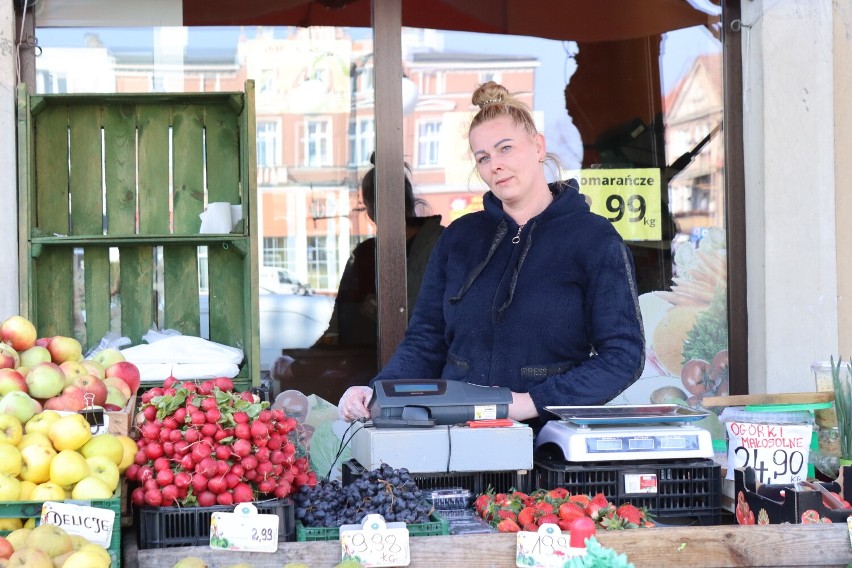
(628,198)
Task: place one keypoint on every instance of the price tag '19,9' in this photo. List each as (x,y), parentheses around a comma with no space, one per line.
(547,548)
(375,543)
(628,198)
(244,529)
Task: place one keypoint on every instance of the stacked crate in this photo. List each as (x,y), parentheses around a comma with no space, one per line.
(110,191)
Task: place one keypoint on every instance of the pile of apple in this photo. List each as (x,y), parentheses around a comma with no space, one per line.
(50,373)
(202,443)
(50,546)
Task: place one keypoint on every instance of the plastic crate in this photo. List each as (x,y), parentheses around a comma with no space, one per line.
(437,526)
(32,510)
(684,489)
(164,527)
(477,482)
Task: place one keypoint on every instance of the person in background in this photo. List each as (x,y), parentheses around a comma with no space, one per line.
(354,319)
(534,293)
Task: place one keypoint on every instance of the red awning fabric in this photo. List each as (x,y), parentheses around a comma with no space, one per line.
(578,20)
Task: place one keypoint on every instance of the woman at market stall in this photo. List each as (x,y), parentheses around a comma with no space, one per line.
(534,293)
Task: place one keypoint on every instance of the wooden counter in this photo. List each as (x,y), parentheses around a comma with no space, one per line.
(726,545)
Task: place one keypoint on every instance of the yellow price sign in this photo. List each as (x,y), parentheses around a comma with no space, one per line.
(628,198)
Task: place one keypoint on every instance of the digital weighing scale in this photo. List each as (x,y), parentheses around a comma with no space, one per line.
(626,433)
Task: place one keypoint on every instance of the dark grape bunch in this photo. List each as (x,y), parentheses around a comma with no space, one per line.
(390,492)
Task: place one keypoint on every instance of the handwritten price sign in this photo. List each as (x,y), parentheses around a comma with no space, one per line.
(547,548)
(629,198)
(778,453)
(244,529)
(375,543)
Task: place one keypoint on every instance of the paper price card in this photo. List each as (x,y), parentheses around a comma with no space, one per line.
(93,523)
(375,543)
(244,529)
(628,198)
(546,548)
(778,453)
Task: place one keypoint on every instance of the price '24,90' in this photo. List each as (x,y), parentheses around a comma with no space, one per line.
(635,204)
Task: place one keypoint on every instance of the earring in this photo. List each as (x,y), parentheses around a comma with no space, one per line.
(541,160)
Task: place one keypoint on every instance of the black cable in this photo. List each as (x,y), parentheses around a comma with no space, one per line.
(449,447)
(342,446)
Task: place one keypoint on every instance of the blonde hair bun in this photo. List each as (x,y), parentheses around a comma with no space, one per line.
(490,93)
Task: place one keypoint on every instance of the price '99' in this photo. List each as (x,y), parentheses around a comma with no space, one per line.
(635,204)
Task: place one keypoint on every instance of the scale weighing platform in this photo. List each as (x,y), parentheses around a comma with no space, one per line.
(626,433)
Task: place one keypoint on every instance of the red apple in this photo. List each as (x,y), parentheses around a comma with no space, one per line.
(12,380)
(127,372)
(72,399)
(119,385)
(112,407)
(64,349)
(9,358)
(43,341)
(90,384)
(18,332)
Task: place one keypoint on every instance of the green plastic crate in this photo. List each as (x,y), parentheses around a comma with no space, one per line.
(436,527)
(32,510)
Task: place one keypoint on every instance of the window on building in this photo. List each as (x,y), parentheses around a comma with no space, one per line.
(429,143)
(268,142)
(317,143)
(362,141)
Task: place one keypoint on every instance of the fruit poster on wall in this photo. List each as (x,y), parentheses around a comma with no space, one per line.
(686,329)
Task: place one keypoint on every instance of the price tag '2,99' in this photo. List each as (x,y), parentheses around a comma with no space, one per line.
(244,529)
(628,198)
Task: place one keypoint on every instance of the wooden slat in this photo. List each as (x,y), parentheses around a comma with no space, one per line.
(188,137)
(708,547)
(97,295)
(120,168)
(153,169)
(180,288)
(779,398)
(53,276)
(51,175)
(84,127)
(223,154)
(136,277)
(228,323)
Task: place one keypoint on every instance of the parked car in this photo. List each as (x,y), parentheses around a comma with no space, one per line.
(287,321)
(282,281)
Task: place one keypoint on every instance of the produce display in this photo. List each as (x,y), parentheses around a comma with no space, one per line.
(49,546)
(516,511)
(389,492)
(204,444)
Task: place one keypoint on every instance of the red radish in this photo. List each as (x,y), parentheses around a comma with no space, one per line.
(170,422)
(209,429)
(232,480)
(248,397)
(225,498)
(250,475)
(170,382)
(189,385)
(132,472)
(182,447)
(220,435)
(176,436)
(161,464)
(208,403)
(222,467)
(138,497)
(222,452)
(169,448)
(140,458)
(242,448)
(197,418)
(207,467)
(171,391)
(153,451)
(180,415)
(243,430)
(187,462)
(206,387)
(243,493)
(153,498)
(151,485)
(191,435)
(241,417)
(224,384)
(217,485)
(199,484)
(182,479)
(237,470)
(262,454)
(146,472)
(150,431)
(150,413)
(206,499)
(266,486)
(249,463)
(165,477)
(213,415)
(170,495)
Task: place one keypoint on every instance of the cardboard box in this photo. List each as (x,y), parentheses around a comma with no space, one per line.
(762,504)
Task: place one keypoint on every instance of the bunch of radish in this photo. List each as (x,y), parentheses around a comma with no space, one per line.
(204,444)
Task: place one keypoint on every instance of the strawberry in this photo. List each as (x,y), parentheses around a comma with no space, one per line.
(580,499)
(501,499)
(600,499)
(630,513)
(531,527)
(508,526)
(482,502)
(548,518)
(564,525)
(544,507)
(506,514)
(527,516)
(569,511)
(558,494)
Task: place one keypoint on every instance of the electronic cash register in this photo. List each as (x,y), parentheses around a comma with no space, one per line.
(423,403)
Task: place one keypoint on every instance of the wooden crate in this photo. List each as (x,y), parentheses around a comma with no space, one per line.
(110,191)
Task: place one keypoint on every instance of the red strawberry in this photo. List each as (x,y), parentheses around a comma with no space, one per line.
(548,518)
(501,499)
(506,514)
(569,511)
(482,502)
(544,507)
(558,494)
(630,514)
(508,526)
(580,499)
(532,527)
(600,499)
(527,516)
(564,525)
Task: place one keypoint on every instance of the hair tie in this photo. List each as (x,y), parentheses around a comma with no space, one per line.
(494,101)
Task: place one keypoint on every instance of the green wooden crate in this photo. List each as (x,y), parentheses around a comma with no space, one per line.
(32,510)
(110,192)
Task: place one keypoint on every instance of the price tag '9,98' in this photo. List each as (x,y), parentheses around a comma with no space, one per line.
(375,543)
(244,529)
(628,198)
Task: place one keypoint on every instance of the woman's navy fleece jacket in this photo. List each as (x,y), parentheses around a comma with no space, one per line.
(555,315)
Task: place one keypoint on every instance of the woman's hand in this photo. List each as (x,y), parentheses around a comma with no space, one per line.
(522,407)
(353,403)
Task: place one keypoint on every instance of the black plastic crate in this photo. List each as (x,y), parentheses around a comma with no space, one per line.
(477,482)
(684,489)
(164,527)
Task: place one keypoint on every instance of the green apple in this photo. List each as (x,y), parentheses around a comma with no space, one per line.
(41,422)
(64,349)
(91,488)
(72,370)
(45,380)
(129,448)
(94,368)
(27,490)
(87,557)
(70,432)
(104,469)
(36,466)
(190,562)
(10,488)
(106,445)
(34,355)
(20,405)
(11,461)
(10,429)
(18,536)
(47,491)
(9,358)
(109,356)
(67,468)
(115,395)
(51,539)
(29,558)
(12,380)
(34,439)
